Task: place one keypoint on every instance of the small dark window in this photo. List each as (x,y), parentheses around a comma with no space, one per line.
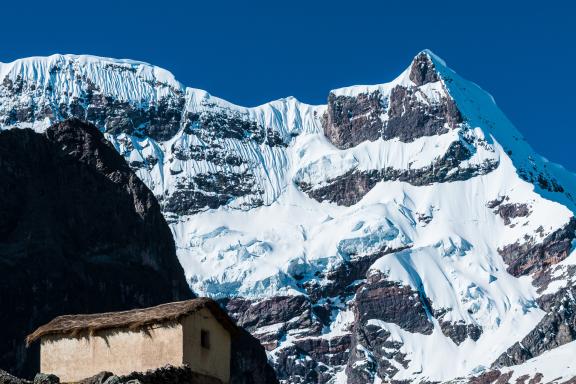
(205,339)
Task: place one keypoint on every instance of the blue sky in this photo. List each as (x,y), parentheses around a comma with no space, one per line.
(250,52)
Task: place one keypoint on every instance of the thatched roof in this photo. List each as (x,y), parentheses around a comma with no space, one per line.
(75,325)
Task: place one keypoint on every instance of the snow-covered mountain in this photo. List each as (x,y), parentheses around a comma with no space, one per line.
(401,232)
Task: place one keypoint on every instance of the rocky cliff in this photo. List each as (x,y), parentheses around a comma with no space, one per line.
(79,233)
(360,241)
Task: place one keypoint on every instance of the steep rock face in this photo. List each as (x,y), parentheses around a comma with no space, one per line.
(352,120)
(205,134)
(282,314)
(391,302)
(79,233)
(509,211)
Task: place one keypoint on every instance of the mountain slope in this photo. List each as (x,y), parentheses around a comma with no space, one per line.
(362,240)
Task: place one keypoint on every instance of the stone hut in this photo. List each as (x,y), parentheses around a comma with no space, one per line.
(194,332)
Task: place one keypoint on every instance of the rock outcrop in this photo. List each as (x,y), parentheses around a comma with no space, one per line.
(79,232)
(410,118)
(422,70)
(535,256)
(352,120)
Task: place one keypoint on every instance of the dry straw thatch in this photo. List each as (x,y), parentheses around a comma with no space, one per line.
(136,319)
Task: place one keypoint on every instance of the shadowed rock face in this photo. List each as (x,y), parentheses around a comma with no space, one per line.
(372,353)
(211,126)
(210,190)
(287,314)
(198,194)
(392,302)
(508,211)
(279,309)
(79,233)
(460,331)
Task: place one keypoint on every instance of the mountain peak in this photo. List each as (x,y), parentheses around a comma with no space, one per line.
(423,68)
